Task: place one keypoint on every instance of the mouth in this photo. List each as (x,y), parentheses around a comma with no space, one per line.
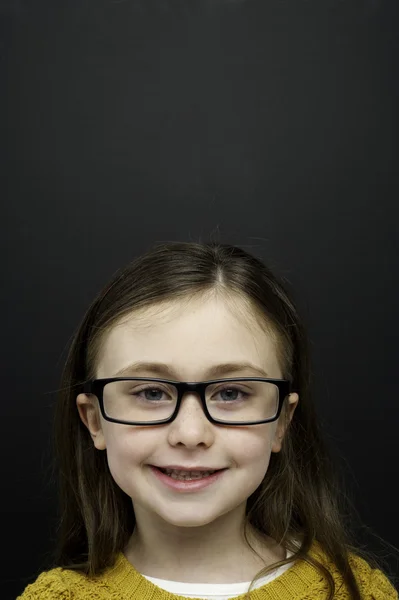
(175,473)
(188,481)
(187,475)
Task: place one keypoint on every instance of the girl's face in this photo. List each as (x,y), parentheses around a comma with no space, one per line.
(191,339)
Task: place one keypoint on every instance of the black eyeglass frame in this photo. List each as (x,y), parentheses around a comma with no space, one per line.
(96,387)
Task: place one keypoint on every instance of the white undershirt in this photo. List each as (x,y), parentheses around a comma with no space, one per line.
(215,591)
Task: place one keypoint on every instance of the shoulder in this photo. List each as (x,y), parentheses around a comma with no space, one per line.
(55,584)
(373,582)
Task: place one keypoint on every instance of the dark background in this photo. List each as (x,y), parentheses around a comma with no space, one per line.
(267,124)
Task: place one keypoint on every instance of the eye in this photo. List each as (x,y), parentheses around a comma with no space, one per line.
(234,394)
(151,393)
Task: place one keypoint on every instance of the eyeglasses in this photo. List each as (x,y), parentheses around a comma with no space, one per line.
(153,401)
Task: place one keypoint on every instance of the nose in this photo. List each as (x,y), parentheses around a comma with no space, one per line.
(191,426)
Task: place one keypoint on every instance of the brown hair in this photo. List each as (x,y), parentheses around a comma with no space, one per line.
(300,496)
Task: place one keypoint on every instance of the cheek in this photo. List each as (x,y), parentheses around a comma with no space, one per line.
(251,448)
(127,452)
(252,463)
(256,468)
(250,455)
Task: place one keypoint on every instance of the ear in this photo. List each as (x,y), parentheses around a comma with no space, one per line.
(90,414)
(293,400)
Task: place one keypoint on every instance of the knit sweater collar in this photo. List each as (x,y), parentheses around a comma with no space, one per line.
(294,582)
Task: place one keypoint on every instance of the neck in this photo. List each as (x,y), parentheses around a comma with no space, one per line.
(200,554)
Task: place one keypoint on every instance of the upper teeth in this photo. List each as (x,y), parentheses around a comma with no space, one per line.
(188,473)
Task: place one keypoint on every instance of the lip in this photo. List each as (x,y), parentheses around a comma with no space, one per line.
(184,468)
(186,486)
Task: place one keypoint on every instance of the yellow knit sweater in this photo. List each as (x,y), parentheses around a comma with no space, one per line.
(122,582)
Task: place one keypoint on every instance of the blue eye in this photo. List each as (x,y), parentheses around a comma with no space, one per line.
(150,393)
(235,390)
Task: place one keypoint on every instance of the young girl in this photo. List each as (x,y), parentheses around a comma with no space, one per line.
(190,458)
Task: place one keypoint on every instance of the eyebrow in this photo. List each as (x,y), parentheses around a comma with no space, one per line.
(162,369)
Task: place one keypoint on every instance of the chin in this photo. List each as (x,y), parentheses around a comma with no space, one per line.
(188,521)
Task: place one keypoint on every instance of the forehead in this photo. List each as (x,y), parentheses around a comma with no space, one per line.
(191,336)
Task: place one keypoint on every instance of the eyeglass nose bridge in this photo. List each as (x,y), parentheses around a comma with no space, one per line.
(193,387)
